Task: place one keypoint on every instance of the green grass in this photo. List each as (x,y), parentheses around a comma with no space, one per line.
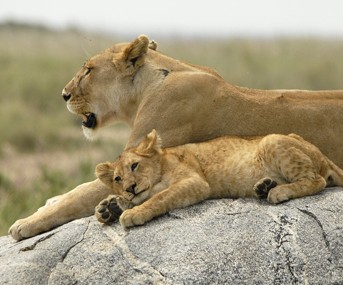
(42,149)
(285,63)
(22,202)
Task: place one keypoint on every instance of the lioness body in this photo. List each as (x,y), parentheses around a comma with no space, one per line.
(184,103)
(153,181)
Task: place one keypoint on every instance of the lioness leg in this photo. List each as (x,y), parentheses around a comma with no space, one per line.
(184,193)
(78,203)
(302,187)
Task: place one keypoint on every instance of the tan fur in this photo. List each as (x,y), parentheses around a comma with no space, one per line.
(150,181)
(185,103)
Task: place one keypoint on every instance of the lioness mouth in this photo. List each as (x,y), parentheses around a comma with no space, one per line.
(89,120)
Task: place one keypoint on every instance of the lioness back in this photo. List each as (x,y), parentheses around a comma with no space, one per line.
(153,181)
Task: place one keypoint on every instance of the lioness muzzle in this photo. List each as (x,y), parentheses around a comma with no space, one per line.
(90,122)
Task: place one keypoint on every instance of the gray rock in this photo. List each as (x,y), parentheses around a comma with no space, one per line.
(226,241)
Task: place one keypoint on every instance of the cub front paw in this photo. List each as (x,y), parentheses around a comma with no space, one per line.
(108,210)
(278,195)
(263,187)
(133,217)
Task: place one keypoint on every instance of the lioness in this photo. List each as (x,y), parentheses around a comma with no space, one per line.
(152,181)
(132,82)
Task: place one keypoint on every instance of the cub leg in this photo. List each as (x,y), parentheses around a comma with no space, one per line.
(302,187)
(78,203)
(110,209)
(181,194)
(298,169)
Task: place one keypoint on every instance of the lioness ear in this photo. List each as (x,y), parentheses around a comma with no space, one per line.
(151,145)
(153,45)
(134,54)
(104,171)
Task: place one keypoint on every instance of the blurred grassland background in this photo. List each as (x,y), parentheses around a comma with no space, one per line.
(42,149)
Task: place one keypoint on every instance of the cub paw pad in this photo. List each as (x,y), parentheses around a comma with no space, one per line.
(263,187)
(108,211)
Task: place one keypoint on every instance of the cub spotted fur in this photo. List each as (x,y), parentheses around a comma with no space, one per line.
(152,181)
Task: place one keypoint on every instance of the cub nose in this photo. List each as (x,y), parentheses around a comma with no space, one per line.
(132,188)
(66,96)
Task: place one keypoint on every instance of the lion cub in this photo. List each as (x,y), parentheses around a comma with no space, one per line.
(149,181)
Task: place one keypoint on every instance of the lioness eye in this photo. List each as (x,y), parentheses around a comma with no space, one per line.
(117,178)
(134,166)
(88,71)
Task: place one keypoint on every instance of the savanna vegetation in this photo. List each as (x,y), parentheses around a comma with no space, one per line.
(42,149)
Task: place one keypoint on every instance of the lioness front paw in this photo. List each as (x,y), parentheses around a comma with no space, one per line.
(263,187)
(133,217)
(21,229)
(108,210)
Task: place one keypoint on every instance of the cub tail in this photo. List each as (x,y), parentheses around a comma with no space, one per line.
(334,175)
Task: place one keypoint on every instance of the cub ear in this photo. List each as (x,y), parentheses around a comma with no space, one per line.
(134,55)
(104,171)
(151,145)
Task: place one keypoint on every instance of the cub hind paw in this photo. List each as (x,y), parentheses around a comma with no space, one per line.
(108,210)
(263,187)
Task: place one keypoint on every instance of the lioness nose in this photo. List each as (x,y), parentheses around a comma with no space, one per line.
(66,96)
(132,188)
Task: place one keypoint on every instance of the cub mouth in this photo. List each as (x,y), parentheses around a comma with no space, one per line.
(135,194)
(140,192)
(89,120)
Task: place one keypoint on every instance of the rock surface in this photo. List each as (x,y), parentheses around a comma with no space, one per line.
(224,241)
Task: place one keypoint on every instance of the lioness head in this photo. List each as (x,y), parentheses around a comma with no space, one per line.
(137,170)
(103,86)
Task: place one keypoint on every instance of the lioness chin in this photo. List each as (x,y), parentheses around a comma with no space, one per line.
(135,83)
(151,181)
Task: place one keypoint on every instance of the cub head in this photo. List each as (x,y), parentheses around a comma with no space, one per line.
(136,170)
(100,88)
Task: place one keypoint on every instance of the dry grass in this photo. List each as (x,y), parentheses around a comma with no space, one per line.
(42,149)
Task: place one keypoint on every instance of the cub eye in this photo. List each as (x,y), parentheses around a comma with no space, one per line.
(134,166)
(117,179)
